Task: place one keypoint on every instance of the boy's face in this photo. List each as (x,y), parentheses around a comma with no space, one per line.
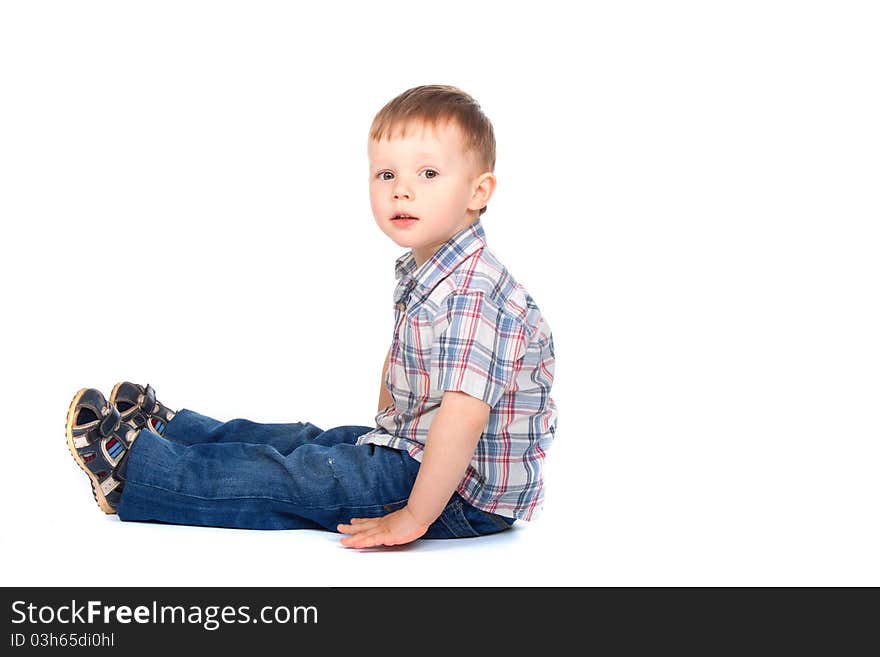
(428,175)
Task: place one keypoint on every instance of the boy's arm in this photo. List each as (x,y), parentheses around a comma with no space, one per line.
(384,395)
(452,439)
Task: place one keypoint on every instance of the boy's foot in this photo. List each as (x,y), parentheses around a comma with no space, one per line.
(98,440)
(139,407)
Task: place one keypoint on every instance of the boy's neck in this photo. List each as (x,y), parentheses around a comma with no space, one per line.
(422,256)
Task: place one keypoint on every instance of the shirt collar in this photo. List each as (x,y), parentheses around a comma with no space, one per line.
(455,250)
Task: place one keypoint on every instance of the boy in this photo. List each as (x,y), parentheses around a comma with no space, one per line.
(465,416)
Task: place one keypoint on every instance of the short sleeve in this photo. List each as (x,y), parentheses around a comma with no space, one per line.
(477,348)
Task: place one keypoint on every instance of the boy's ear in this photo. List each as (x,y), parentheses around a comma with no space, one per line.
(484,187)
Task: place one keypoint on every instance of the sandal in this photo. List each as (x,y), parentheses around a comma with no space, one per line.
(139,407)
(98,440)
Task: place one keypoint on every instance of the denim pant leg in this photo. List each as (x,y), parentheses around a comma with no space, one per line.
(252,486)
(245,474)
(189,428)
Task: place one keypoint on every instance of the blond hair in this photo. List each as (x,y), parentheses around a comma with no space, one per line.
(434,104)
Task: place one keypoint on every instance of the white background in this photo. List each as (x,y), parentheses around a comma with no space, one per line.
(688,190)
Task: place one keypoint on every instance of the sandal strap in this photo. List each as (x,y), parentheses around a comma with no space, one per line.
(110,422)
(149,402)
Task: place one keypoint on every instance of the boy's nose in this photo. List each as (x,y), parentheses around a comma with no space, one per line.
(400,189)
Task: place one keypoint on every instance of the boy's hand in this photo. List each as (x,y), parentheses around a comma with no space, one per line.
(396,528)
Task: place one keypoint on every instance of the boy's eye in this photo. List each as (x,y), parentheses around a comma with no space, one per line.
(381,174)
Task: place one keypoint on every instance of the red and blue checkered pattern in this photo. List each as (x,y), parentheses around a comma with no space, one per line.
(463,323)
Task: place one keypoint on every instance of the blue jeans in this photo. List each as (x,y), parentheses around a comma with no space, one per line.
(250,475)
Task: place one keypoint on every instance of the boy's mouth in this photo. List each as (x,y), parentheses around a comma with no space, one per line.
(402,216)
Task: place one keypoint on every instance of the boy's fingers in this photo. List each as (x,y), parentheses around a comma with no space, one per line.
(357,525)
(362,524)
(366,539)
(369,541)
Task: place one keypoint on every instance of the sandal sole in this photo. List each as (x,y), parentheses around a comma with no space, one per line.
(68,430)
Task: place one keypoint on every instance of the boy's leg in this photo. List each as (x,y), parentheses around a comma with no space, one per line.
(319,483)
(331,481)
(139,406)
(322,483)
(191,428)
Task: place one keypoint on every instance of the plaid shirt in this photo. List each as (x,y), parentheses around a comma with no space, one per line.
(463,323)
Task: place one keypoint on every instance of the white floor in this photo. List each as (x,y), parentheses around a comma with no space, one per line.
(64,551)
